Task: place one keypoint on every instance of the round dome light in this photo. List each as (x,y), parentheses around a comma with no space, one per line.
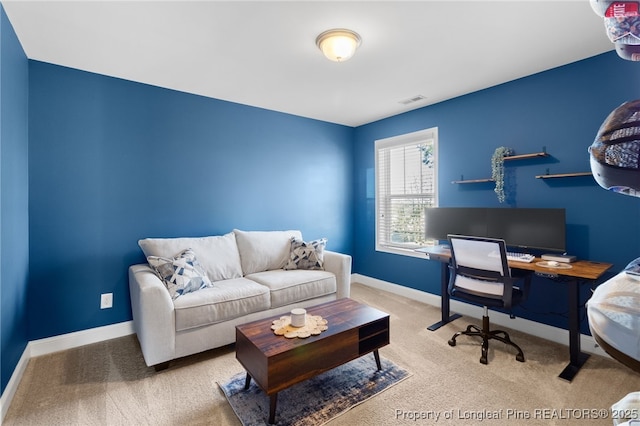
(338,44)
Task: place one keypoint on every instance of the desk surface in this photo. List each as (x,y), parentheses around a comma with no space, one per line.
(584,269)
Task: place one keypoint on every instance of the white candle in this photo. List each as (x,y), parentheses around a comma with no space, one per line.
(298,317)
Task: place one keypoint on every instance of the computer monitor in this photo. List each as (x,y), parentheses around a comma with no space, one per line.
(529,228)
(523,228)
(442,221)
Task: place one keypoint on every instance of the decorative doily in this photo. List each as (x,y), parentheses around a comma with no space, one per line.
(313,326)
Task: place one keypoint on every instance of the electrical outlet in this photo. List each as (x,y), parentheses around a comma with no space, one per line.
(106,300)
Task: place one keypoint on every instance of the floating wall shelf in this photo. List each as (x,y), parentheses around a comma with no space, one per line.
(506,158)
(563,175)
(525,156)
(473,180)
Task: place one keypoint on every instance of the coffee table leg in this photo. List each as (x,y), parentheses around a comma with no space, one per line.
(247,381)
(272,408)
(377,357)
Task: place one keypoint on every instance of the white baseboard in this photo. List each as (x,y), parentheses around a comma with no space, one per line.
(55,344)
(79,338)
(12,386)
(544,331)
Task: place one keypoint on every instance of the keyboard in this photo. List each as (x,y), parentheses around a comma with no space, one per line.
(520,257)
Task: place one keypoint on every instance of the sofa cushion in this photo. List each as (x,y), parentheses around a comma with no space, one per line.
(181,274)
(306,255)
(218,255)
(295,286)
(264,250)
(226,300)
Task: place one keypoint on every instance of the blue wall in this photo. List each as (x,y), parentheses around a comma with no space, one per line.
(561,110)
(112,161)
(14,207)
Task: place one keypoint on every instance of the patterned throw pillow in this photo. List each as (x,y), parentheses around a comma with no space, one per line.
(182,274)
(306,255)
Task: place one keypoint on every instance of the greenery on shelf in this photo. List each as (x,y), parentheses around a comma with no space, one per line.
(497,170)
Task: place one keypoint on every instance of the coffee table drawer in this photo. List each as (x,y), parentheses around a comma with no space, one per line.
(373,336)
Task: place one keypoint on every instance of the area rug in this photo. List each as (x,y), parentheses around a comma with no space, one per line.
(317,400)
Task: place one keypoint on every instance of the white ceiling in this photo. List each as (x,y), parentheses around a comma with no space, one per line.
(263,53)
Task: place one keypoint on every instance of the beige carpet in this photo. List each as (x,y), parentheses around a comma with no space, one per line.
(108,384)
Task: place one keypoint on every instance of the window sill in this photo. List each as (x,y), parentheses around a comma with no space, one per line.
(411,252)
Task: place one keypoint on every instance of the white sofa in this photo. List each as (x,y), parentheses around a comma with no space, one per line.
(249,282)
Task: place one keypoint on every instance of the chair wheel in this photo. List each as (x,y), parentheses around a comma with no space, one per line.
(483,360)
(451,342)
(520,357)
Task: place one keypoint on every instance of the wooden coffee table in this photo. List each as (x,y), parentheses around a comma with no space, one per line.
(276,363)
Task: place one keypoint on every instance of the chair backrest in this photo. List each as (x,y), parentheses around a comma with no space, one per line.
(479,266)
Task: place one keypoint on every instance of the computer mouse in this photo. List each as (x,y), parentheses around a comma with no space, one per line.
(552,263)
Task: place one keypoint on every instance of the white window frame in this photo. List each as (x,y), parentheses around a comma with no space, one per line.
(384,241)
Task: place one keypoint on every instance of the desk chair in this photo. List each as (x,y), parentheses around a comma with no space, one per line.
(480,274)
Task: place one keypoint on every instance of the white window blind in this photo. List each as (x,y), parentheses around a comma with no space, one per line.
(406,172)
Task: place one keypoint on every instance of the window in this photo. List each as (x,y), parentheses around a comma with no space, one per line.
(406,172)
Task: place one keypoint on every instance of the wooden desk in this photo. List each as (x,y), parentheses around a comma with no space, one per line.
(580,272)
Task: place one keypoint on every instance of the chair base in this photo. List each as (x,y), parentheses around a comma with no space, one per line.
(486,334)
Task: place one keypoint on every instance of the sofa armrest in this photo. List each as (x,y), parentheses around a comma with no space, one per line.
(340,265)
(153,315)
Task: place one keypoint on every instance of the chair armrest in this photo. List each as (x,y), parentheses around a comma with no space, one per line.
(340,265)
(153,315)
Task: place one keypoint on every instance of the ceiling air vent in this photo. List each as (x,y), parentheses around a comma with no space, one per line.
(412,99)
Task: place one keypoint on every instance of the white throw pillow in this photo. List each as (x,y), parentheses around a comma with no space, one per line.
(264,250)
(218,255)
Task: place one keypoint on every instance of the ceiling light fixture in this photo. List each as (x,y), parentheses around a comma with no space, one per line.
(338,44)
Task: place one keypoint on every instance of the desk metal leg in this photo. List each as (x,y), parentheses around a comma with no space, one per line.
(444,300)
(576,357)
